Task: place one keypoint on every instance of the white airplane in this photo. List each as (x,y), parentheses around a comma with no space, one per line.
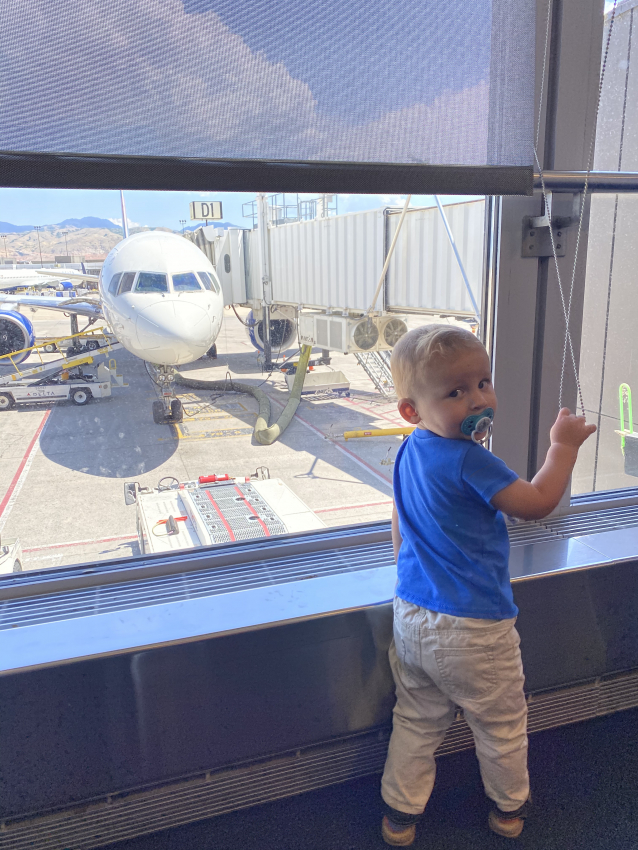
(161,297)
(36,279)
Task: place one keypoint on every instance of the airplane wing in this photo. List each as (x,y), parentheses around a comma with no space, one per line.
(81,306)
(67,275)
(30,282)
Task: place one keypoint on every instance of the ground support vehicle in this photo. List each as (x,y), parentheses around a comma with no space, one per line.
(215,509)
(73,384)
(10,555)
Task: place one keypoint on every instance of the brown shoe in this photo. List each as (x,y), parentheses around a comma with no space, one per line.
(397,835)
(506,826)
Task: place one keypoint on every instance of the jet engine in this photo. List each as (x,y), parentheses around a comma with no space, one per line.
(16,333)
(283,330)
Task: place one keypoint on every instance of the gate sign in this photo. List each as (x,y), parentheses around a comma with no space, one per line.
(201,211)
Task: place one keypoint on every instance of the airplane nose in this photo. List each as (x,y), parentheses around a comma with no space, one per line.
(174,331)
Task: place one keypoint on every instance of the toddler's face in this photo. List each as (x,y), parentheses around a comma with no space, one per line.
(446,393)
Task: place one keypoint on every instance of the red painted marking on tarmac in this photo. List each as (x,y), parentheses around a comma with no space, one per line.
(349,507)
(16,477)
(220,514)
(362,405)
(254,512)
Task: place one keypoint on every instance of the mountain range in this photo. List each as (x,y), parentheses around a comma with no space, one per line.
(89,237)
(90,222)
(77,223)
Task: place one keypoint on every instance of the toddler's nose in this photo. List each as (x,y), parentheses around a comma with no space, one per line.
(478,401)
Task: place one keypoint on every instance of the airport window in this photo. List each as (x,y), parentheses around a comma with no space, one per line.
(114,282)
(324,470)
(151,282)
(609,347)
(126,284)
(186,282)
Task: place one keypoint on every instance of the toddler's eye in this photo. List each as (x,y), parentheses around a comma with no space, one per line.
(455,393)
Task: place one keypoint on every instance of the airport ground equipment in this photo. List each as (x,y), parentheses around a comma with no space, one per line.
(322,382)
(215,509)
(264,434)
(83,348)
(379,432)
(68,384)
(10,555)
(72,376)
(351,334)
(376,365)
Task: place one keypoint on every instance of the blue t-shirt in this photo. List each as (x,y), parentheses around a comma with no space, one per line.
(454,555)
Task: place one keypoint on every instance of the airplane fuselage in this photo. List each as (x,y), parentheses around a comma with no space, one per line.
(162,298)
(14,278)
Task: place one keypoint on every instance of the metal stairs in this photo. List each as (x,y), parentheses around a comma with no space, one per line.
(376,365)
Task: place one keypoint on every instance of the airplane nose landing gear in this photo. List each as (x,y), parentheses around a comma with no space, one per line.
(168,410)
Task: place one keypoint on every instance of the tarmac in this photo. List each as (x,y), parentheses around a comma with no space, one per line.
(63,467)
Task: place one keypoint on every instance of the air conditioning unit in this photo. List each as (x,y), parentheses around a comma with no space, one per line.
(345,334)
(391,329)
(329,332)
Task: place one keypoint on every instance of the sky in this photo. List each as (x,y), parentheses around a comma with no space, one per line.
(159,209)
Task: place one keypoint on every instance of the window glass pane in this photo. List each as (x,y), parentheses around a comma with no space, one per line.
(127,282)
(609,347)
(114,282)
(206,280)
(209,282)
(151,282)
(326,257)
(186,282)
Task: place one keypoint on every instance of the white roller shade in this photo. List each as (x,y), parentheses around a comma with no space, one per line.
(411,83)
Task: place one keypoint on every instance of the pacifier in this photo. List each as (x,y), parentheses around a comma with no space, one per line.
(477,423)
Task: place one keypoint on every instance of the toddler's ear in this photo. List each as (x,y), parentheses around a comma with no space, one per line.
(408,411)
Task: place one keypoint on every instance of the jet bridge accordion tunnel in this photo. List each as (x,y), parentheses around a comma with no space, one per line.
(174,691)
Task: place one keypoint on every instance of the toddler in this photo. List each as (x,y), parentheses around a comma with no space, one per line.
(455,641)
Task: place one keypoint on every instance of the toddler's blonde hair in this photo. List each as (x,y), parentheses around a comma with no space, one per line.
(421,348)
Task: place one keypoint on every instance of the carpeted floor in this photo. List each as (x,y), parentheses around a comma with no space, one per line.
(584,780)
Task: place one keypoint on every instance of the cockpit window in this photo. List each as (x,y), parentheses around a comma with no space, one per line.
(151,282)
(186,282)
(114,282)
(126,284)
(209,282)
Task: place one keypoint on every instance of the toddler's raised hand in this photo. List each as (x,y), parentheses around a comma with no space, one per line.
(570,430)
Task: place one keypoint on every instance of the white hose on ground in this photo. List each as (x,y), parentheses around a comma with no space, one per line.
(263,433)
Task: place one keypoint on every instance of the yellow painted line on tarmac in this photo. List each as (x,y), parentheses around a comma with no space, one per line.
(379,432)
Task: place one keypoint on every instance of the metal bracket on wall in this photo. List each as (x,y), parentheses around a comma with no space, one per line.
(537,241)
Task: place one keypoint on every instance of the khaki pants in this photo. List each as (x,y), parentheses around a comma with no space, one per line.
(439,661)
